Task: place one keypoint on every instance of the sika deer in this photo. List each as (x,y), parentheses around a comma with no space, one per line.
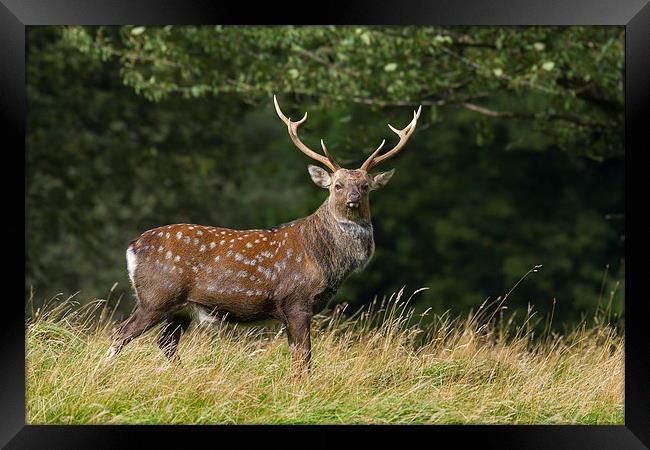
(287,272)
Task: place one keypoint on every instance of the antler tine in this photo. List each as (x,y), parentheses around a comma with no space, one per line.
(329,157)
(372,156)
(293,134)
(404,135)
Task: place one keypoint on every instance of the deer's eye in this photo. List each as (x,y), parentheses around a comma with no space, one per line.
(364,186)
(338,186)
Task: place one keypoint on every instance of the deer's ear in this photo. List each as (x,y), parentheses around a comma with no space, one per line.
(380,179)
(319,176)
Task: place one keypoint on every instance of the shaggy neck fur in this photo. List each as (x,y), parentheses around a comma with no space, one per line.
(340,244)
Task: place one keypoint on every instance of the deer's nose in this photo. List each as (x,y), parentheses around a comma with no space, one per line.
(354,196)
(353,199)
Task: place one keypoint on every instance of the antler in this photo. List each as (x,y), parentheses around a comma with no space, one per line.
(293,134)
(404,135)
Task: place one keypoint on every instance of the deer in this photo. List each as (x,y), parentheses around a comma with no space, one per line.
(287,273)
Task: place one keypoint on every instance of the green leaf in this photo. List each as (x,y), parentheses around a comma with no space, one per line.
(137,30)
(548,66)
(390,67)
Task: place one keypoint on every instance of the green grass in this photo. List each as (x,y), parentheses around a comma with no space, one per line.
(379,366)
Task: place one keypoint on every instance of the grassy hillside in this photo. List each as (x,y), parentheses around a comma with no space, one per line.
(378,366)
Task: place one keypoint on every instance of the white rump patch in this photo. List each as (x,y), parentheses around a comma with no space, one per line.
(131,263)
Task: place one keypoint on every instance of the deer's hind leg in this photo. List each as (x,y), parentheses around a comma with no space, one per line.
(170,335)
(140,321)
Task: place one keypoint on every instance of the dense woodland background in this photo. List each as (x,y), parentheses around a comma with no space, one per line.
(518,158)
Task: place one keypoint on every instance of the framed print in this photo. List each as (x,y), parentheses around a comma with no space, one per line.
(414,216)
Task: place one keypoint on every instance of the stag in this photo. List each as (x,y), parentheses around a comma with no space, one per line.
(288,272)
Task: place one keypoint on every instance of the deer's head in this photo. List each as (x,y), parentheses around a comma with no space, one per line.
(348,188)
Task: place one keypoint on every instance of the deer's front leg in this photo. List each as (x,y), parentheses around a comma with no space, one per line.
(298,327)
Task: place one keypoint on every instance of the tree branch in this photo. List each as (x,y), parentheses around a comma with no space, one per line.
(535,116)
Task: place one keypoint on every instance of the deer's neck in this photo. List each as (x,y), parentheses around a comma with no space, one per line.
(340,245)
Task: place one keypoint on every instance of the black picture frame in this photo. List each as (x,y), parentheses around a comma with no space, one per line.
(15,15)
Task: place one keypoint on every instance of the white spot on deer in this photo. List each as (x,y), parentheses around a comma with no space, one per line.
(229,253)
(131,262)
(216,258)
(202,249)
(187,239)
(160,249)
(179,235)
(199,233)
(222,242)
(195,269)
(209,269)
(160,234)
(242,274)
(168,255)
(298,258)
(196,241)
(223,232)
(266,254)
(239,239)
(180,270)
(250,293)
(238,256)
(167,235)
(249,245)
(191,228)
(257,241)
(286,235)
(177,258)
(268,273)
(253,277)
(232,240)
(289,252)
(213,244)
(228,272)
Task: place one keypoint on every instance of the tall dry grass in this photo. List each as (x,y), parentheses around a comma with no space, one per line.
(381,365)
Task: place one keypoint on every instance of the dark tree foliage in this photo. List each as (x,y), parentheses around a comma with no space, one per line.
(517,160)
